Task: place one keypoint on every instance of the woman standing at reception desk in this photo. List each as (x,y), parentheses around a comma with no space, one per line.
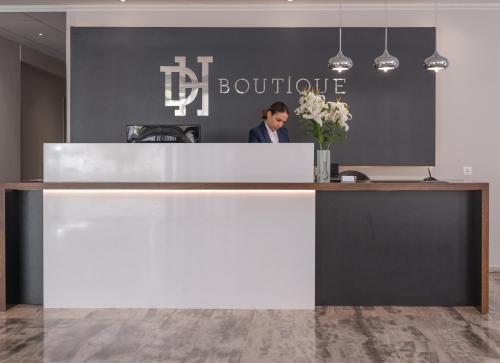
(272,129)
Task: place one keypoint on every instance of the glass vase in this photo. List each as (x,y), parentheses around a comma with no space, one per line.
(323,166)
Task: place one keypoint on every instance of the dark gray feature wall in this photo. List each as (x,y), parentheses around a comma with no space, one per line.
(116,81)
(398,248)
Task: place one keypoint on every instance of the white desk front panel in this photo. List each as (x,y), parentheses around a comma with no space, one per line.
(177,163)
(179,249)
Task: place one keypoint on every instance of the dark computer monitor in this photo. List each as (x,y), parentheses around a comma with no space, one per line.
(164,133)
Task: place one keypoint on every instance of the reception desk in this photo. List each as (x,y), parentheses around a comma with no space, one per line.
(263,244)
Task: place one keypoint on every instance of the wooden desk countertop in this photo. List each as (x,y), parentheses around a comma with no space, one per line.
(380,186)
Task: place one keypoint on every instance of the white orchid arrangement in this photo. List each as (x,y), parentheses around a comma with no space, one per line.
(325,121)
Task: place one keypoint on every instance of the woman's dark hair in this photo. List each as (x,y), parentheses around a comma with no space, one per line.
(274,108)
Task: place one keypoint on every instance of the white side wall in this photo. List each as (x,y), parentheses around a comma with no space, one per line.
(42,61)
(10,111)
(468,124)
(11,132)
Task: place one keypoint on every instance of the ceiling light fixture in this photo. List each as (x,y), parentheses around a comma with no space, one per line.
(40,34)
(386,61)
(436,62)
(340,62)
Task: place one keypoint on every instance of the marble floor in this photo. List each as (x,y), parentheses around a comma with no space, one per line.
(334,334)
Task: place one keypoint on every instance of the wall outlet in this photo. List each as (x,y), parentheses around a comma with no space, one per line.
(467,170)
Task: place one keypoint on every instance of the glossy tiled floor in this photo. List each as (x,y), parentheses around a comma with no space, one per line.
(340,334)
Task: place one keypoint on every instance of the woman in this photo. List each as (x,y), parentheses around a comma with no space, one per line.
(271,130)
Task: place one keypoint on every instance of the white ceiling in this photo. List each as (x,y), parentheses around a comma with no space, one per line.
(23,20)
(24,28)
(70,3)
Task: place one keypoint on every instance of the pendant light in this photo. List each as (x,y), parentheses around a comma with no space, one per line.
(386,61)
(340,62)
(436,62)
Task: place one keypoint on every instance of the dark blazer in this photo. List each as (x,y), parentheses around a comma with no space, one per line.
(259,134)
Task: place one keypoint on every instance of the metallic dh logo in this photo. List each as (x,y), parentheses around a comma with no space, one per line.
(187,80)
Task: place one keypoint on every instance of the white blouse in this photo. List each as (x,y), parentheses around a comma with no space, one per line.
(273,135)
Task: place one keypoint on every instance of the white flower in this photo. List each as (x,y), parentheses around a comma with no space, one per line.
(314,107)
(339,114)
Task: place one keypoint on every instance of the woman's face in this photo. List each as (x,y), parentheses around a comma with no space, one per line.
(276,121)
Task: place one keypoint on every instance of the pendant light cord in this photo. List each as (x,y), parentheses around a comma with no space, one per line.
(435,23)
(435,14)
(385,24)
(340,26)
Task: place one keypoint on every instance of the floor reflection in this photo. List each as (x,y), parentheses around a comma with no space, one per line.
(334,334)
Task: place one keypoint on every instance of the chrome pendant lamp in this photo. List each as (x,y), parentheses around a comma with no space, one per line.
(340,62)
(436,62)
(386,61)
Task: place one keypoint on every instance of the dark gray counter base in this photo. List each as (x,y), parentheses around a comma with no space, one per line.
(398,248)
(24,247)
